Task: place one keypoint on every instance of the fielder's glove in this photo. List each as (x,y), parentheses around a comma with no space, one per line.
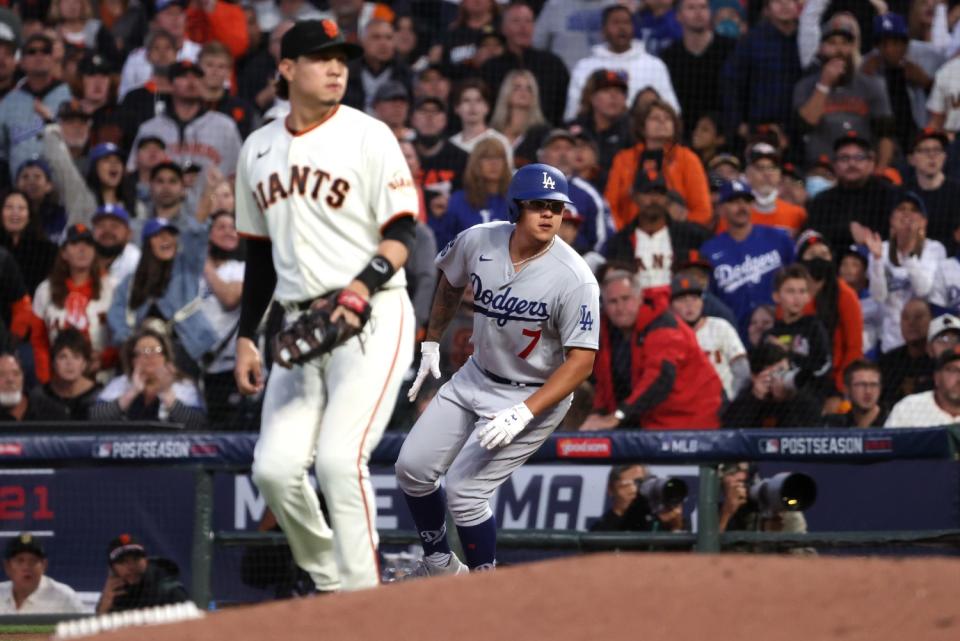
(503,427)
(313,335)
(429,364)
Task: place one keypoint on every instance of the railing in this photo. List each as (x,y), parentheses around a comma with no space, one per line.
(208,453)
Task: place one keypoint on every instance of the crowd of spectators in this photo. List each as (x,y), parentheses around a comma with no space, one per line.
(769,187)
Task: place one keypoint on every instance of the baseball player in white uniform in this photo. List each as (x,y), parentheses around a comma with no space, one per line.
(535,333)
(326,202)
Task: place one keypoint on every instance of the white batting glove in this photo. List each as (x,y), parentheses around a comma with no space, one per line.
(503,427)
(429,364)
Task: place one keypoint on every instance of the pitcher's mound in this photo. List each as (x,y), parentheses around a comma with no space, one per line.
(648,597)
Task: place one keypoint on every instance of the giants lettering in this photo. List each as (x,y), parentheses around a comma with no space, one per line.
(302,180)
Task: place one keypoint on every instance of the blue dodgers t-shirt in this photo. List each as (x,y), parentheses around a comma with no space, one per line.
(743,271)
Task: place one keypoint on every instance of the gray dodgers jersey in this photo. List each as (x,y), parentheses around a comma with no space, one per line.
(523,321)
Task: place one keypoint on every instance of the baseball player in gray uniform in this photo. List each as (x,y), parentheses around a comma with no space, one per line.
(535,334)
(326,202)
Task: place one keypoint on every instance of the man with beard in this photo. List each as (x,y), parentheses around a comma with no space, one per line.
(191,134)
(169,197)
(938,407)
(859,196)
(835,98)
(111,236)
(746,257)
(652,239)
(220,289)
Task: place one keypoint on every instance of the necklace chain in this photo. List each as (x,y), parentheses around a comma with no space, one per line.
(519,263)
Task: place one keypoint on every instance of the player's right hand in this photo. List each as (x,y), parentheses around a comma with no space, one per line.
(248,371)
(429,364)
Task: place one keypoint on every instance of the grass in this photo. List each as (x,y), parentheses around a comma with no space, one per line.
(26,629)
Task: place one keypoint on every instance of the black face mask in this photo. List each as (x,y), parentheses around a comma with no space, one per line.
(109,252)
(820,268)
(427,141)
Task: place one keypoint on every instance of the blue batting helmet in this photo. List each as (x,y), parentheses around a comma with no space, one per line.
(536,182)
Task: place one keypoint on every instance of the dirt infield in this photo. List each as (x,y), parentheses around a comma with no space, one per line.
(650,597)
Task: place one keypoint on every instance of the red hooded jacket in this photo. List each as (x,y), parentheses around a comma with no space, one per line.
(674,385)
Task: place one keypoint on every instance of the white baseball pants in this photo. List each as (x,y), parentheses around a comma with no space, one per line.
(332,412)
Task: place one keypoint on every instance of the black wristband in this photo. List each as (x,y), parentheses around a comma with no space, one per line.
(376,274)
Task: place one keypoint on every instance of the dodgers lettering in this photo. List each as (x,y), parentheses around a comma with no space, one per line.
(751,270)
(821,445)
(505,307)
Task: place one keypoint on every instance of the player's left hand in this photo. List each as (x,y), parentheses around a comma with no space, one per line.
(503,427)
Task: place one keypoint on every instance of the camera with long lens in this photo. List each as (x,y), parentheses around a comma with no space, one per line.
(784,492)
(662,493)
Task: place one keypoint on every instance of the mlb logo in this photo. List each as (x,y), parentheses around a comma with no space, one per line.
(103,450)
(769,446)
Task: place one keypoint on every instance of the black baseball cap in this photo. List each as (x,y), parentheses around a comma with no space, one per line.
(763,150)
(314,36)
(182,68)
(93,64)
(557,134)
(146,140)
(167,164)
(681,285)
(948,356)
(42,38)
(25,542)
(648,181)
(913,198)
(71,110)
(391,90)
(607,78)
(77,233)
(123,546)
(430,100)
(852,138)
(929,133)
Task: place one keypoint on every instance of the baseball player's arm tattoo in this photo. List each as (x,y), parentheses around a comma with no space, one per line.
(577,366)
(445,304)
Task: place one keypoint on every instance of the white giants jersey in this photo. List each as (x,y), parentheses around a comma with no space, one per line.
(722,345)
(322,197)
(523,320)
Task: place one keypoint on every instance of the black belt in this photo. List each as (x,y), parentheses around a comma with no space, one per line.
(506,381)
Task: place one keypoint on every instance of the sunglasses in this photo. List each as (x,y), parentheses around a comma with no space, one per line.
(553,206)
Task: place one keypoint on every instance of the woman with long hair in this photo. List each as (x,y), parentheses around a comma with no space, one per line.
(517,114)
(71,390)
(483,197)
(657,131)
(76,295)
(106,178)
(834,302)
(22,235)
(166,287)
(76,26)
(151,388)
(471,103)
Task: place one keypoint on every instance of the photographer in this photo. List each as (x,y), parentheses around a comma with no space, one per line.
(739,512)
(630,511)
(770,400)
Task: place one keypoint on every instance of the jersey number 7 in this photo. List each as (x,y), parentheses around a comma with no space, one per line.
(534,335)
